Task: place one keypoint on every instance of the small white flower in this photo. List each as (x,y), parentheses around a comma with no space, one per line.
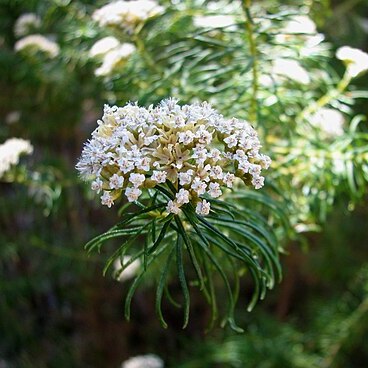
(125,165)
(144,361)
(203,136)
(10,152)
(229,179)
(264,161)
(116,181)
(290,69)
(216,172)
(215,155)
(96,185)
(126,13)
(38,42)
(199,186)
(203,208)
(25,23)
(115,58)
(200,154)
(143,164)
(258,182)
(330,121)
(231,141)
(173,207)
(13,117)
(240,155)
(106,199)
(214,190)
(214,21)
(244,166)
(159,176)
(356,60)
(255,169)
(132,194)
(137,179)
(186,137)
(182,197)
(300,24)
(185,178)
(103,46)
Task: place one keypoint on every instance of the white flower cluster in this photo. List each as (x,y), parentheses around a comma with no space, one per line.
(126,14)
(26,23)
(301,30)
(214,21)
(144,361)
(356,60)
(113,54)
(329,121)
(291,69)
(10,152)
(192,146)
(37,42)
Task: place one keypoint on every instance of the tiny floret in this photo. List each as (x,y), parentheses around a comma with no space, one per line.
(173,207)
(106,199)
(203,208)
(159,176)
(132,194)
(182,197)
(116,181)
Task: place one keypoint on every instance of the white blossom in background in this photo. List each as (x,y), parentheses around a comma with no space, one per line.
(103,46)
(290,69)
(37,42)
(144,361)
(126,14)
(114,59)
(300,24)
(10,151)
(13,117)
(26,23)
(302,30)
(355,60)
(194,147)
(128,272)
(214,21)
(330,121)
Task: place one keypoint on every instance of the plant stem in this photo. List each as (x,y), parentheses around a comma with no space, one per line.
(253,113)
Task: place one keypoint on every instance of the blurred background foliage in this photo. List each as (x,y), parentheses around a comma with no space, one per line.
(56,309)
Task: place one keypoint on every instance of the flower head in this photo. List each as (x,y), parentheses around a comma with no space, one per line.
(329,121)
(103,46)
(356,60)
(214,21)
(114,58)
(26,23)
(10,151)
(126,14)
(192,146)
(144,361)
(37,42)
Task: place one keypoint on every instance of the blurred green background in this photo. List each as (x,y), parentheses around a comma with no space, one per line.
(56,308)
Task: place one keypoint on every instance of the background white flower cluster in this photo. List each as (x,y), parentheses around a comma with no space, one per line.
(10,152)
